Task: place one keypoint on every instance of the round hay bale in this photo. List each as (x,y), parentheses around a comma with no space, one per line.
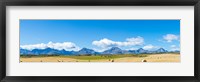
(144,60)
(113,60)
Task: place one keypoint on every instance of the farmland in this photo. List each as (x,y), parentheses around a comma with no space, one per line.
(165,57)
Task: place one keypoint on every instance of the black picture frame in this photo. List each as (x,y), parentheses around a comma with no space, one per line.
(4,3)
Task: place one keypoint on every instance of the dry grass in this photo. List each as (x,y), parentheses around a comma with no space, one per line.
(149,58)
(152,58)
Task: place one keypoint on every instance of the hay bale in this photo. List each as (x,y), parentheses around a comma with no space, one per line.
(113,60)
(144,60)
(58,60)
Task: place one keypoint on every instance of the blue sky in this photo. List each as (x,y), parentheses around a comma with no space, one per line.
(100,34)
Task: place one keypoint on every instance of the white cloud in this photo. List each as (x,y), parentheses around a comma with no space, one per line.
(174,48)
(30,47)
(105,43)
(150,47)
(170,37)
(59,46)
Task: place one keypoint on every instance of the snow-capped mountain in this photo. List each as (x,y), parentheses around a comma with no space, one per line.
(86,51)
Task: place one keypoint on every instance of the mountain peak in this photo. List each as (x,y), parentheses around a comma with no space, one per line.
(86,51)
(115,48)
(161,50)
(48,48)
(140,49)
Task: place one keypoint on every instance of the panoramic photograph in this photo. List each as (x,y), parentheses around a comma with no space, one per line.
(99,40)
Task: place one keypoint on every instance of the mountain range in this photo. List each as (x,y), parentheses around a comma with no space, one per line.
(86,51)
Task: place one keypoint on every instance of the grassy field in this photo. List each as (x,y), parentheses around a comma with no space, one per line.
(167,57)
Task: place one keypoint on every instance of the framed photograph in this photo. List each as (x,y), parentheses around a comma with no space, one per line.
(95,40)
